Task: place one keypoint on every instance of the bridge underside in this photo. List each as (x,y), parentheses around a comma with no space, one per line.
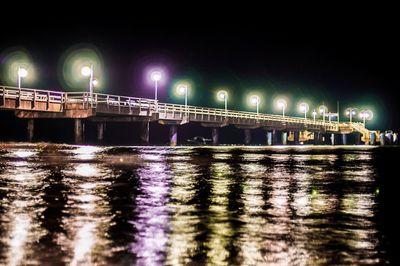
(180,119)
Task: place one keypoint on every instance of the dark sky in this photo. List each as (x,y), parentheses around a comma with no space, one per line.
(355,63)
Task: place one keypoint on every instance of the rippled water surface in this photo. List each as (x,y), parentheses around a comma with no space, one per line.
(83,205)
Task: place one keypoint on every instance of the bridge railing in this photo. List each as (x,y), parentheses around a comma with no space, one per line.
(33,95)
(125,101)
(166,108)
(109,99)
(149,105)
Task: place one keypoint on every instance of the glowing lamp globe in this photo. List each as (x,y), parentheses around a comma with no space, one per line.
(86,71)
(156,76)
(222,95)
(281,103)
(182,89)
(323,109)
(254,100)
(22,72)
(303,107)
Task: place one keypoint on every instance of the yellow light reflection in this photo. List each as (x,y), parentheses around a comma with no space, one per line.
(83,244)
(19,236)
(221,230)
(86,170)
(181,242)
(86,152)
(23,153)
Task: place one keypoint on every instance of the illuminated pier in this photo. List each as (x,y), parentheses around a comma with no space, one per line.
(33,104)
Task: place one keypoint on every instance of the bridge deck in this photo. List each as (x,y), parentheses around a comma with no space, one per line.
(32,103)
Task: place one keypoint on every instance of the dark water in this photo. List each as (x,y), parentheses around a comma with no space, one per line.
(192,205)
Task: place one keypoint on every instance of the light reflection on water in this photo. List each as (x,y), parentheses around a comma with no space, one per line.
(220,206)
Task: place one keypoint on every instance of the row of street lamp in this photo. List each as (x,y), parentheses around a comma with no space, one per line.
(222,95)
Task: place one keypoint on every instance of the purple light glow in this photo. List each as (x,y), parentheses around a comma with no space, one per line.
(148,74)
(152,224)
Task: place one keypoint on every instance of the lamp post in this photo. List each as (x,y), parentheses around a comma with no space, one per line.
(350,112)
(22,73)
(281,103)
(183,90)
(223,96)
(156,76)
(322,110)
(304,109)
(88,72)
(255,100)
(314,114)
(366,115)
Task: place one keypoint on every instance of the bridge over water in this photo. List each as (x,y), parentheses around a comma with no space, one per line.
(33,104)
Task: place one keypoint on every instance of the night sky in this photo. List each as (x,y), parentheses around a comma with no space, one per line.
(353,63)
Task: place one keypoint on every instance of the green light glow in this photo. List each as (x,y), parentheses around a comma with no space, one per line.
(252,99)
(75,65)
(13,60)
(303,107)
(280,103)
(177,88)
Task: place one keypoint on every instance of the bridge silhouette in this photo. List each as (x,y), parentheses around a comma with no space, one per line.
(34,104)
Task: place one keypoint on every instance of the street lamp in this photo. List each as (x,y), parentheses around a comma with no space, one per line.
(350,112)
(88,72)
(183,90)
(323,110)
(303,107)
(314,114)
(223,96)
(22,73)
(366,115)
(156,76)
(255,100)
(281,104)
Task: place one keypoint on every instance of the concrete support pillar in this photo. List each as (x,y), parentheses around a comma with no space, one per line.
(344,139)
(247,136)
(30,129)
(274,137)
(100,131)
(389,138)
(296,137)
(357,138)
(173,135)
(215,135)
(317,138)
(144,133)
(269,138)
(332,139)
(284,138)
(372,138)
(382,139)
(78,131)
